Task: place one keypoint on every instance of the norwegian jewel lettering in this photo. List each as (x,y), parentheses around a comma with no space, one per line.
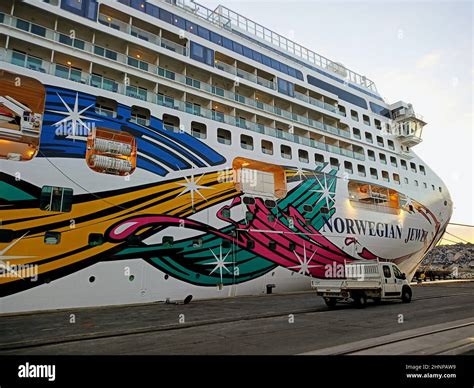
(370,228)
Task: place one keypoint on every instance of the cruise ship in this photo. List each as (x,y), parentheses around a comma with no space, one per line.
(158,151)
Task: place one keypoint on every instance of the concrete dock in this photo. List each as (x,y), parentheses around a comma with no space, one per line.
(439,320)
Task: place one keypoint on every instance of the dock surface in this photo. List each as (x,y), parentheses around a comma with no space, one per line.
(439,320)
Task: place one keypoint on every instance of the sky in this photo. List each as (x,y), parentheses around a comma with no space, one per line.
(418,52)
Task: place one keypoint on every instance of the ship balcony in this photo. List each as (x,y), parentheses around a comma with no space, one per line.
(142,94)
(141,64)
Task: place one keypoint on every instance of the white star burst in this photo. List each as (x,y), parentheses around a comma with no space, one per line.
(300,173)
(3,257)
(304,263)
(327,191)
(75,116)
(220,263)
(192,186)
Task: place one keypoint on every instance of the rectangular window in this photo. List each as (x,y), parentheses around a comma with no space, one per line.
(283,68)
(80,44)
(224,136)
(179,22)
(266,60)
(56,199)
(202,54)
(227,43)
(22,25)
(64,39)
(203,32)
(138,4)
(38,30)
(275,64)
(248,52)
(238,48)
(342,94)
(86,9)
(286,87)
(71,4)
(216,38)
(152,10)
(166,16)
(319,159)
(246,142)
(257,56)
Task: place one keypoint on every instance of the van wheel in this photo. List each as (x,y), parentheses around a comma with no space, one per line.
(406,295)
(330,302)
(360,300)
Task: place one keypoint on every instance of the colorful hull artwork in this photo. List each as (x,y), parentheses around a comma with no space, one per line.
(186,194)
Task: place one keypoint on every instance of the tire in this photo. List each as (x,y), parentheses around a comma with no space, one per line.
(360,300)
(406,295)
(330,302)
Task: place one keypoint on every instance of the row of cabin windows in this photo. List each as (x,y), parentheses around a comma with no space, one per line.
(383,158)
(224,137)
(369,139)
(141,116)
(365,118)
(246,142)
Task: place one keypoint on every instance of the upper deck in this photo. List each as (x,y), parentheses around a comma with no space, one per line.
(241,25)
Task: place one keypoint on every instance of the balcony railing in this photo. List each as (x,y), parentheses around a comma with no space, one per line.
(226,18)
(44,66)
(142,65)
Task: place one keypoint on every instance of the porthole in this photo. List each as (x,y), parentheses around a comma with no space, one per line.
(52,238)
(92,279)
(249,200)
(197,243)
(270,203)
(445,203)
(307,208)
(131,278)
(167,277)
(95,239)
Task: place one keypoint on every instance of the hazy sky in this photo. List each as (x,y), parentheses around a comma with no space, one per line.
(418,52)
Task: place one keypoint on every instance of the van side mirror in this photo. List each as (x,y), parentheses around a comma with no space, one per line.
(404,276)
